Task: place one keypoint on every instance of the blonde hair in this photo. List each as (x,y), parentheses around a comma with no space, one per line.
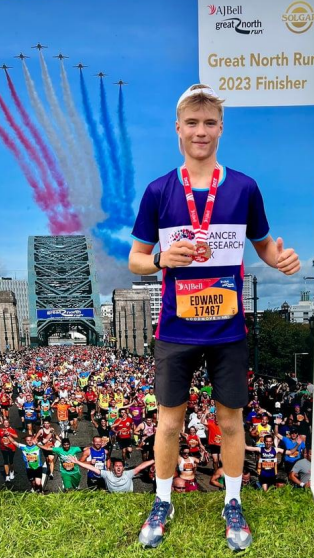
(200,99)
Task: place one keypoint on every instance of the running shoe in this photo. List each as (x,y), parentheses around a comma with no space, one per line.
(238,534)
(51,476)
(7,478)
(152,532)
(11,475)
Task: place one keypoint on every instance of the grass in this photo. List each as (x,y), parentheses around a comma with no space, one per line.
(94,525)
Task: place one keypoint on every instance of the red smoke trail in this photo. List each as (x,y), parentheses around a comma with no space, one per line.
(63,193)
(56,226)
(50,194)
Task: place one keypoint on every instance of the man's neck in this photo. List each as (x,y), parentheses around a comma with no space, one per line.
(200,172)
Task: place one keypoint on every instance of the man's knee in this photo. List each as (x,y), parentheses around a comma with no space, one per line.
(230,420)
(171,420)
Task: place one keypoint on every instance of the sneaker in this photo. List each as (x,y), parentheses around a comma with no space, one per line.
(152,532)
(11,475)
(51,476)
(238,534)
(7,478)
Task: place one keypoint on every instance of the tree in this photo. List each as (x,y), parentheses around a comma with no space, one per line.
(278,341)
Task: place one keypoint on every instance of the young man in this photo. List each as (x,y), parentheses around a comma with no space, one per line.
(33,461)
(70,472)
(117,480)
(201,235)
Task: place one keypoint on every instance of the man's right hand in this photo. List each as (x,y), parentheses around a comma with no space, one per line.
(180,254)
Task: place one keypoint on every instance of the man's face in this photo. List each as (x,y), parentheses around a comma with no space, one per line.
(66,446)
(97,443)
(268,442)
(178,485)
(199,131)
(264,421)
(118,468)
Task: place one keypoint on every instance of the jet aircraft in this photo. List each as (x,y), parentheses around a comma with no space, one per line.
(120,82)
(100,75)
(21,56)
(5,67)
(60,56)
(80,66)
(39,46)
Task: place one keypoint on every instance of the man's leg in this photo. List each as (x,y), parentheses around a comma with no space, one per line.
(232,445)
(232,449)
(166,457)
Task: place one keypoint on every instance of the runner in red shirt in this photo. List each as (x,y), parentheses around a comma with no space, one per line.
(124,428)
(7,449)
(214,441)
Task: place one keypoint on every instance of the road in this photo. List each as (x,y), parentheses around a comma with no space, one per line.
(85,433)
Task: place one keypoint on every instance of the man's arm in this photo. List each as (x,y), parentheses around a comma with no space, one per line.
(141,259)
(253,448)
(73,459)
(85,455)
(274,254)
(143,465)
(13,441)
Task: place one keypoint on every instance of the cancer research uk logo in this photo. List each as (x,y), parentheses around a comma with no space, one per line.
(299,17)
(245,27)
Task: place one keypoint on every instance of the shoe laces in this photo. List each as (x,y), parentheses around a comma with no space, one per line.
(234,516)
(159,513)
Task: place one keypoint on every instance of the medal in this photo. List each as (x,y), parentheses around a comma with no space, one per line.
(201,229)
(203,252)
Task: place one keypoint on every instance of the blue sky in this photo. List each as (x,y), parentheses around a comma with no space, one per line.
(154,47)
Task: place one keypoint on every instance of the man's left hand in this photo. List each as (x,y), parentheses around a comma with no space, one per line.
(287,260)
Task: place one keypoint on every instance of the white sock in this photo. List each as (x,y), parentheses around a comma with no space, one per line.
(233,487)
(163,490)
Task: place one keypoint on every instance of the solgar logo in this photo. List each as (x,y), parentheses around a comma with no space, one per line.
(224,10)
(299,17)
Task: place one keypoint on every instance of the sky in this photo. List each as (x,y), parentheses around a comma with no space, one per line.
(153,46)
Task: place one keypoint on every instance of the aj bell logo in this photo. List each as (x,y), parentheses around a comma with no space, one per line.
(240,26)
(224,10)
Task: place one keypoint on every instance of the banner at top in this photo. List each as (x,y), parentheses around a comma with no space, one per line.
(258,52)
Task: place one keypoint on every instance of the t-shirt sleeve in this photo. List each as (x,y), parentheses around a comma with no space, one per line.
(146,223)
(129,474)
(257,224)
(297,467)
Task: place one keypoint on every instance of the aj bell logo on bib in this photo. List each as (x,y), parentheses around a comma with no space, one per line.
(207,299)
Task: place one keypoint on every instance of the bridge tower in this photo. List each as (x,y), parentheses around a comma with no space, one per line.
(63,289)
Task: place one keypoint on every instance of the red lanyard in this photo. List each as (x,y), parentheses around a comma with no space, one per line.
(201,230)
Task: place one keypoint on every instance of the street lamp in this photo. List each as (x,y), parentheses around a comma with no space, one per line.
(295,362)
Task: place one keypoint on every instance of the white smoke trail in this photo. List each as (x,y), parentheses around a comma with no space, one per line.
(65,162)
(81,195)
(84,142)
(111,273)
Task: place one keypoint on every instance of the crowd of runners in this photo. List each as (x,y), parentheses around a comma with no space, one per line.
(56,389)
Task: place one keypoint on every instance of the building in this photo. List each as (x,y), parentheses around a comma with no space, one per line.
(107,310)
(20,288)
(248,293)
(151,284)
(9,327)
(132,320)
(301,313)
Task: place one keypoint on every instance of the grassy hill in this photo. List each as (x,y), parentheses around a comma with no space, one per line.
(94,525)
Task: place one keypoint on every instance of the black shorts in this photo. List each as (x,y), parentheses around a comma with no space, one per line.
(34,473)
(227,367)
(125,443)
(8,456)
(270,481)
(151,413)
(214,449)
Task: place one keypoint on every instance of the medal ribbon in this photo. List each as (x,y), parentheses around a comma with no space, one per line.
(201,230)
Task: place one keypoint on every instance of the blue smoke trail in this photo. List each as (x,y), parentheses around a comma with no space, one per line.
(108,196)
(127,163)
(115,247)
(113,146)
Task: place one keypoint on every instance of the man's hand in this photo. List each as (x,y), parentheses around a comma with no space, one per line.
(287,260)
(179,254)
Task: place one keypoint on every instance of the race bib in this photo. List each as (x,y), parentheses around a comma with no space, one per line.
(206,299)
(67,465)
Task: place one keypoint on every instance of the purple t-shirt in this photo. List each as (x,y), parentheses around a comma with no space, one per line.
(164,217)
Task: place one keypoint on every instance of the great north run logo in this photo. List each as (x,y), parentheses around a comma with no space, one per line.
(299,17)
